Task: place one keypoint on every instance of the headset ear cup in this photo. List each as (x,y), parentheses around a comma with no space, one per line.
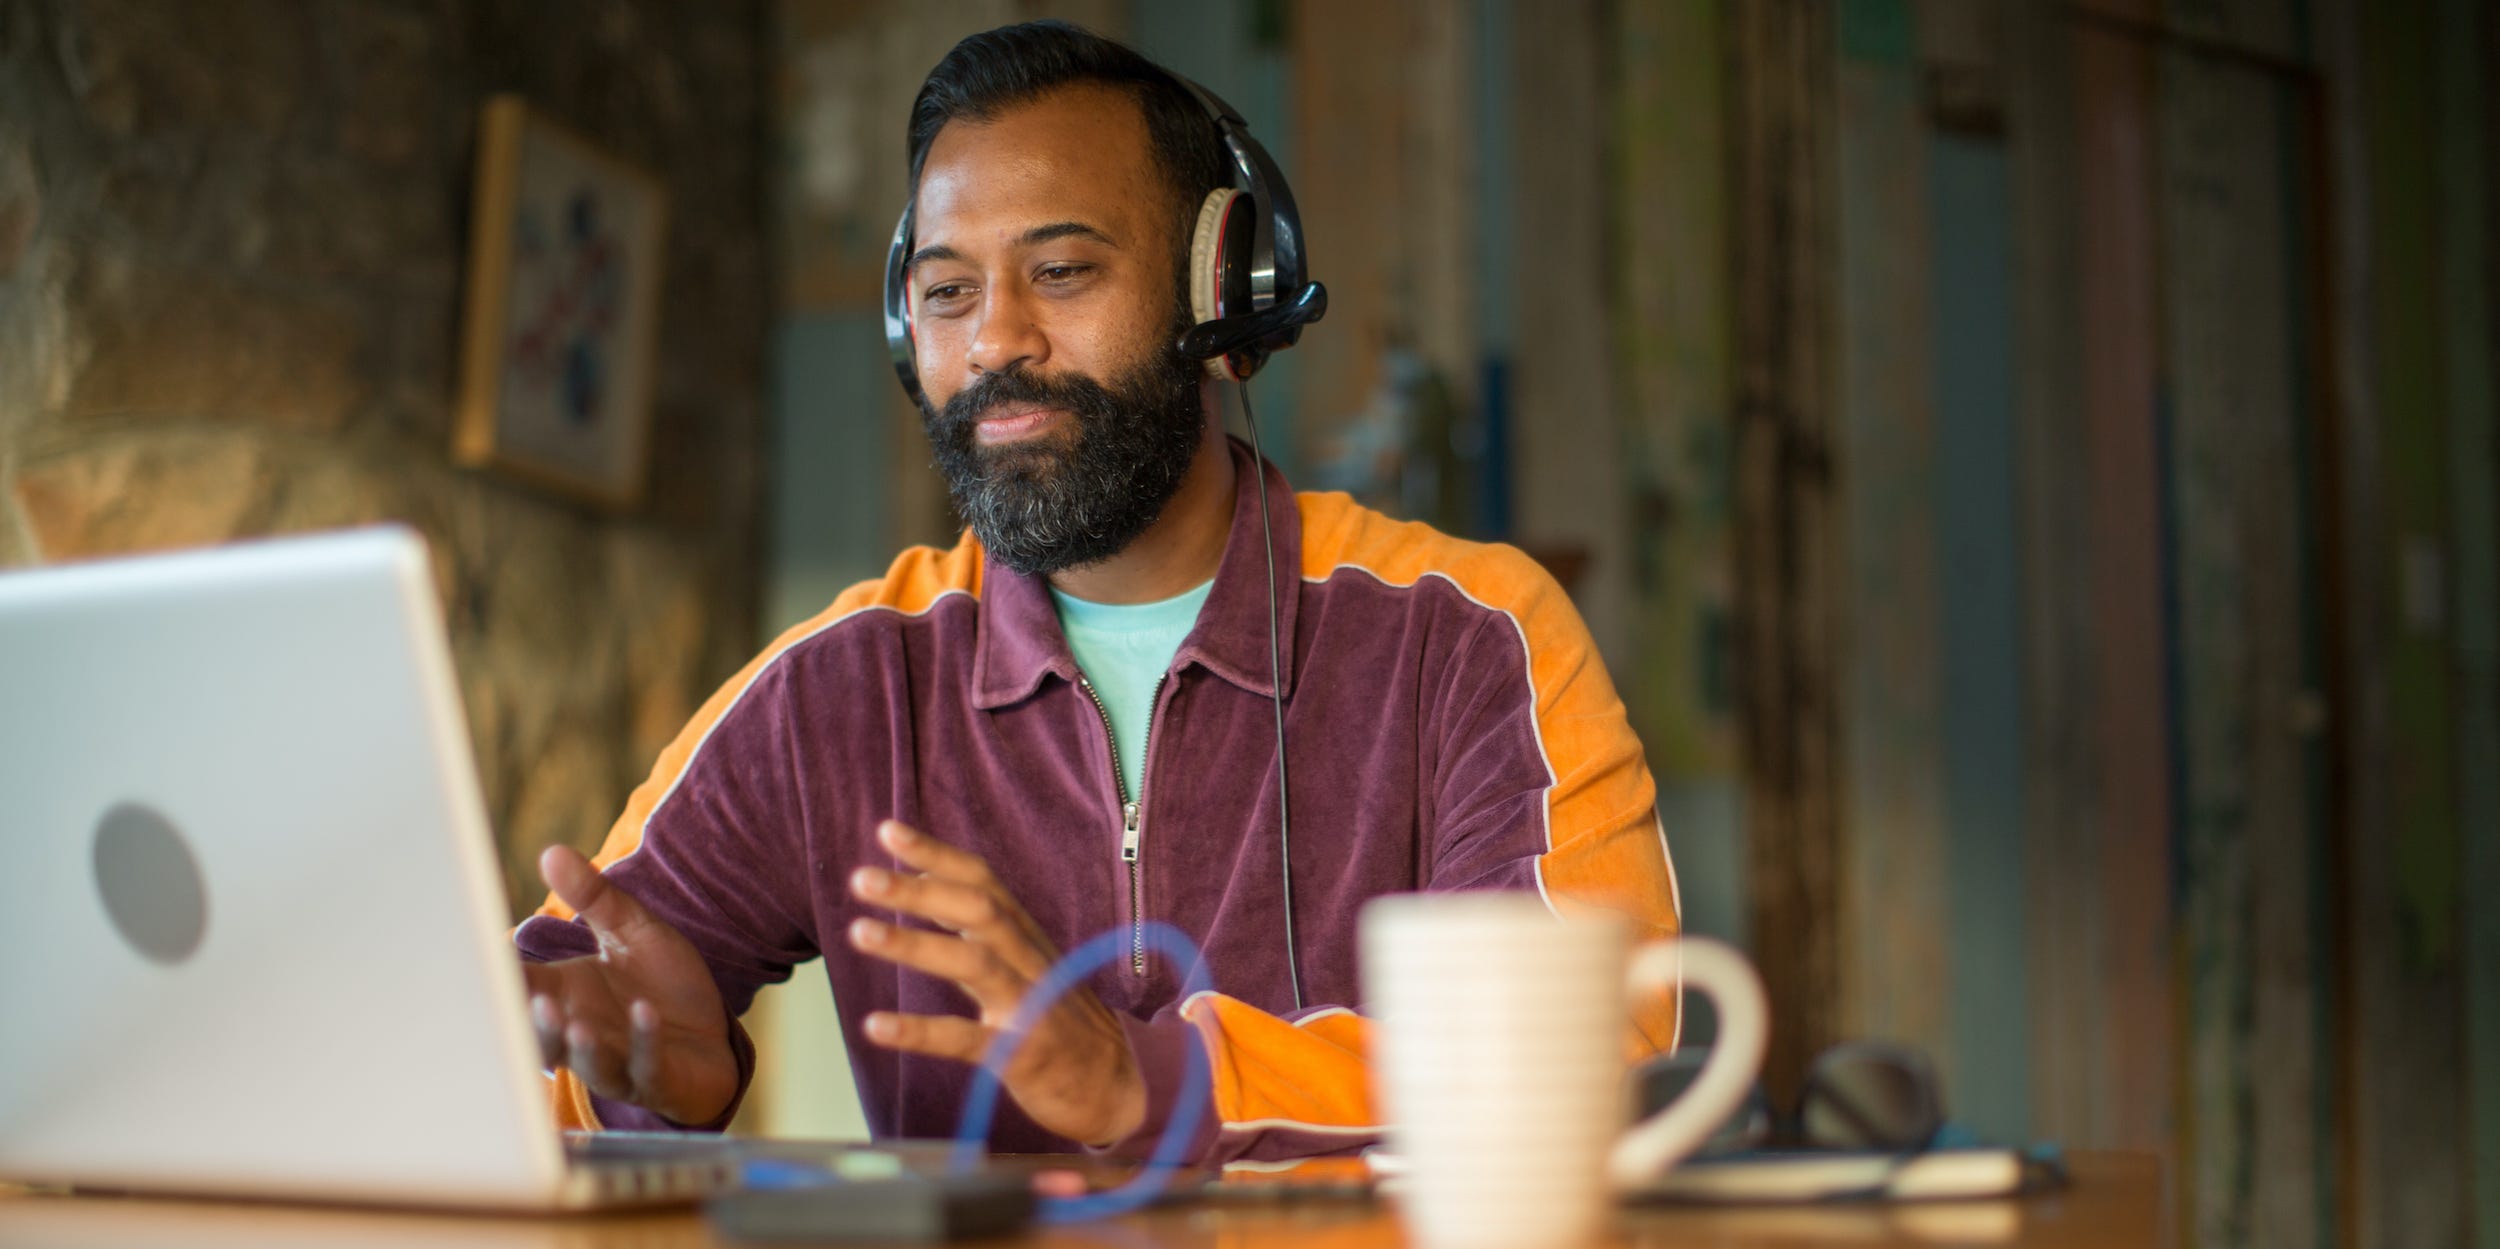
(902,346)
(1219,279)
(911,338)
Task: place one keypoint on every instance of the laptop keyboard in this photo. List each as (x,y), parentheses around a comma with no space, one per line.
(651,1147)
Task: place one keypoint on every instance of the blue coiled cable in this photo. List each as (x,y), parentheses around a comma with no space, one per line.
(981,1102)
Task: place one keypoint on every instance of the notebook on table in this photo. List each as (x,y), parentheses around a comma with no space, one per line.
(1758,1177)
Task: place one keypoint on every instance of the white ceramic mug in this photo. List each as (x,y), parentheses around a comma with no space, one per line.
(1498,1059)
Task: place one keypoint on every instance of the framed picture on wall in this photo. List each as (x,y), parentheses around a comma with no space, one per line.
(561,312)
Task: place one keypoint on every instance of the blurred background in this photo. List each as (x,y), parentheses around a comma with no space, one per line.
(2029,465)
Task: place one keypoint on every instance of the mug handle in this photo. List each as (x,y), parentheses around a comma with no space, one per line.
(1666,1138)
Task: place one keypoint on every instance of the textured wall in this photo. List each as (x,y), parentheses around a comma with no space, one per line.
(231,252)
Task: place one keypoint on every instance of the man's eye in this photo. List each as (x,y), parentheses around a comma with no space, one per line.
(1064,273)
(942,292)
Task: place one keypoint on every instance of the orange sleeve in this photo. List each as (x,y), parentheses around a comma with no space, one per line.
(1306,1077)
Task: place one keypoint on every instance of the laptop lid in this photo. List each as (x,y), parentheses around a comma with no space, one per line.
(252,936)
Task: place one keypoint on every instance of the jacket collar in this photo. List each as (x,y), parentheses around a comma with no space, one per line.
(1019,641)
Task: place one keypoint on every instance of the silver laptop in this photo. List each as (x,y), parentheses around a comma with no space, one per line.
(252,936)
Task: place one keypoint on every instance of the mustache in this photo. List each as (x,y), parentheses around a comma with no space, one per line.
(1074,393)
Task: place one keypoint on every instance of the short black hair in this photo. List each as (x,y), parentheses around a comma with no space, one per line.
(988,73)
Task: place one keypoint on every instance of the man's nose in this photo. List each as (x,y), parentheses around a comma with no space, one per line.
(1010,335)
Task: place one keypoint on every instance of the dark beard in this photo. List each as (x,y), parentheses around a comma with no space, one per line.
(1079,494)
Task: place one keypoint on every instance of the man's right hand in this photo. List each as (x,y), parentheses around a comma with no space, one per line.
(641,1020)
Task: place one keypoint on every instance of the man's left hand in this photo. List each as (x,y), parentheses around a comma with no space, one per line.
(1074,1074)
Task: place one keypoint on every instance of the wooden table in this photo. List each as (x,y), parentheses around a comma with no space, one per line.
(2115,1203)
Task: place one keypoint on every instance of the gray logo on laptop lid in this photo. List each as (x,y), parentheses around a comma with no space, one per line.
(150,882)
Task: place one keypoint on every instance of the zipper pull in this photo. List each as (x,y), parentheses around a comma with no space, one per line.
(1128,832)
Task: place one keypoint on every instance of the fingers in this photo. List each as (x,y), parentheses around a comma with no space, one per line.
(954,889)
(575,881)
(941,861)
(642,1053)
(942,1036)
(611,912)
(987,916)
(549,990)
(599,1066)
(578,1030)
(978,968)
(547,1021)
(947,903)
(919,850)
(632,1073)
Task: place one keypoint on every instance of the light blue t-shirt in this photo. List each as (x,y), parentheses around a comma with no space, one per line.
(1125,649)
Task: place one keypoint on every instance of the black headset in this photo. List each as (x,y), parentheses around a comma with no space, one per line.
(1249,290)
(1250,294)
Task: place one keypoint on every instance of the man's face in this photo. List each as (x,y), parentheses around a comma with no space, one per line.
(1044,310)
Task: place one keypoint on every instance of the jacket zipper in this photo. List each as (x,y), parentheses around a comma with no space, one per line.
(1132,810)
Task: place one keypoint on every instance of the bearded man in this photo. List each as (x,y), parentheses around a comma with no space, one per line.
(1064,724)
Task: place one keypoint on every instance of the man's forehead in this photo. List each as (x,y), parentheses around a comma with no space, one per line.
(1079,154)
